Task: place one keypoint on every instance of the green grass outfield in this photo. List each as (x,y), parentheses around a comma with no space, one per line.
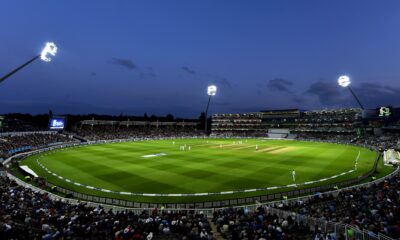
(206,168)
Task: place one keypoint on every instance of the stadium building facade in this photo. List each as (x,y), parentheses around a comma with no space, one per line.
(295,120)
(350,121)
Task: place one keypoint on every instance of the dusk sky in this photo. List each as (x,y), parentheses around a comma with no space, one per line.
(158,57)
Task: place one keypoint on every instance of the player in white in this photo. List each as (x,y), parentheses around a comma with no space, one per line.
(189,148)
(256,147)
(294,176)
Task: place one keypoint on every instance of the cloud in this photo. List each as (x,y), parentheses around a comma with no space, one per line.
(188,70)
(373,95)
(327,92)
(143,72)
(127,63)
(280,84)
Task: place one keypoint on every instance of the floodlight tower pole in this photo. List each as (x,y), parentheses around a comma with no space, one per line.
(344,81)
(211,91)
(46,55)
(19,68)
(355,96)
(206,120)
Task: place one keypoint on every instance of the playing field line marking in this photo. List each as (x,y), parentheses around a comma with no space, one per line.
(197,194)
(125,193)
(227,192)
(154,155)
(201,194)
(250,190)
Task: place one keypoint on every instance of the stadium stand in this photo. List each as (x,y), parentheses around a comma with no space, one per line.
(259,224)
(375,209)
(107,130)
(28,214)
(13,124)
(336,121)
(16,142)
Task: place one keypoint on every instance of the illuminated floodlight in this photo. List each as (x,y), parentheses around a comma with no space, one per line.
(344,81)
(212,90)
(48,51)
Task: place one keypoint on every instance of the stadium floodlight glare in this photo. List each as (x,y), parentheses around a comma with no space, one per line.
(211,91)
(49,51)
(344,81)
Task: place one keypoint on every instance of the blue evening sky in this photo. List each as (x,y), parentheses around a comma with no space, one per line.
(158,57)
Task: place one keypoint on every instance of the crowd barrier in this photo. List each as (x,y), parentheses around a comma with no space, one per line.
(18,150)
(26,133)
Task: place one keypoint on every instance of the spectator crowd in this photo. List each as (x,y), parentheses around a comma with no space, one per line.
(26,214)
(9,144)
(107,132)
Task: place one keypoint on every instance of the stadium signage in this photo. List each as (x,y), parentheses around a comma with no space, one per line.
(57,123)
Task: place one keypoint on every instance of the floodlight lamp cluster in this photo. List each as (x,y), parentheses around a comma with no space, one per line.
(344,81)
(212,90)
(48,51)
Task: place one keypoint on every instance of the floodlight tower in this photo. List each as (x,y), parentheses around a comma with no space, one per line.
(344,81)
(211,91)
(46,55)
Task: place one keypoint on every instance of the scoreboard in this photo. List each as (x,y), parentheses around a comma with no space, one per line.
(384,113)
(57,123)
